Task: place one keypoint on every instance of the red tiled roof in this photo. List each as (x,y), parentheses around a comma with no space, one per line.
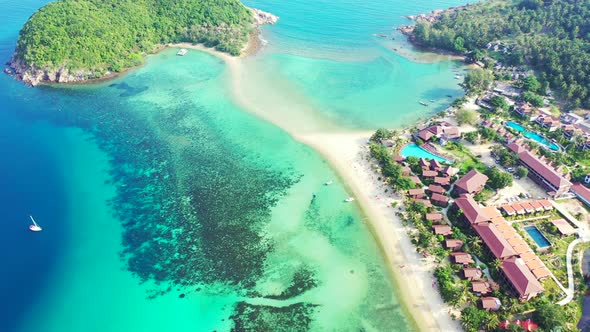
(434,216)
(546,204)
(508,209)
(449,171)
(494,240)
(537,205)
(453,244)
(416,192)
(436,189)
(563,226)
(406,171)
(472,182)
(443,181)
(426,202)
(440,199)
(425,134)
(490,303)
(481,287)
(435,165)
(442,229)
(429,174)
(582,191)
(471,209)
(416,180)
(514,147)
(521,277)
(548,173)
(423,162)
(527,207)
(472,273)
(461,257)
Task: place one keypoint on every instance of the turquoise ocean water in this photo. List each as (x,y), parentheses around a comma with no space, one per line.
(165,207)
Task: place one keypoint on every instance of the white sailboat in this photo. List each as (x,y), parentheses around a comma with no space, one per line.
(182,52)
(34,227)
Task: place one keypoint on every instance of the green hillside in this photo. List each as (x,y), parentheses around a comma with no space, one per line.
(110,35)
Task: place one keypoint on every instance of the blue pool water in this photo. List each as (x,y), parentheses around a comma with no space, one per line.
(532,135)
(539,238)
(413,150)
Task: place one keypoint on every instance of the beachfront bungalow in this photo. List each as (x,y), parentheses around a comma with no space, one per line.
(543,174)
(472,273)
(489,303)
(537,206)
(406,171)
(481,287)
(416,193)
(434,217)
(440,200)
(416,181)
(453,244)
(471,183)
(442,181)
(436,189)
(521,280)
(444,230)
(435,165)
(461,258)
(582,192)
(528,208)
(429,174)
(423,163)
(563,227)
(524,110)
(449,171)
(547,205)
(425,202)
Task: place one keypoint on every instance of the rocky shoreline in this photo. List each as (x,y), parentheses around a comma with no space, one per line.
(33,76)
(431,17)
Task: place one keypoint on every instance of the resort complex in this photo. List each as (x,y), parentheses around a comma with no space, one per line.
(497,206)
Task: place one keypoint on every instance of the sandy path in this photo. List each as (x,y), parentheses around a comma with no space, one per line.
(346,152)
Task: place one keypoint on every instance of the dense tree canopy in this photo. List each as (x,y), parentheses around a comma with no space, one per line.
(109,35)
(551,36)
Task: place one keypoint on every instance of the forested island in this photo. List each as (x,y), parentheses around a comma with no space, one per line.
(552,37)
(76,40)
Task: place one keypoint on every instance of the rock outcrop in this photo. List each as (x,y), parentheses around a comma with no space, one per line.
(261,17)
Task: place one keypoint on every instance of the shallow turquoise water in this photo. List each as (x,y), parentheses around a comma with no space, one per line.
(538,237)
(166,207)
(532,135)
(413,150)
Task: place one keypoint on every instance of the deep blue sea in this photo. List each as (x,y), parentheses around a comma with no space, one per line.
(166,207)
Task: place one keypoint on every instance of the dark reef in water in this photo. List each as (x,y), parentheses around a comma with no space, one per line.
(295,317)
(302,281)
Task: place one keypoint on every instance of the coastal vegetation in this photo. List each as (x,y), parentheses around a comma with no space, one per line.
(97,37)
(552,37)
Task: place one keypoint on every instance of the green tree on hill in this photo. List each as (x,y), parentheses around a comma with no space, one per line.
(478,80)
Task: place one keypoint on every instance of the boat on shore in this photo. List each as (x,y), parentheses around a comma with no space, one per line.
(34,227)
(182,52)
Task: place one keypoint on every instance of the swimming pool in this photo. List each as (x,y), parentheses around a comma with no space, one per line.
(532,135)
(538,237)
(413,150)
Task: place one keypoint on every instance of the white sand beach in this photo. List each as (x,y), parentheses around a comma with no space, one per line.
(346,152)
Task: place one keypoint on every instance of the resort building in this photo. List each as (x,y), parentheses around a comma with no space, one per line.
(443,130)
(490,303)
(522,281)
(541,173)
(444,230)
(440,200)
(461,258)
(429,174)
(472,273)
(434,217)
(453,244)
(436,189)
(494,240)
(563,227)
(472,183)
(481,287)
(449,171)
(442,181)
(416,193)
(469,210)
(582,193)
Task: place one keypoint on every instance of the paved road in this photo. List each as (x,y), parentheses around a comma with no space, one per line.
(570,273)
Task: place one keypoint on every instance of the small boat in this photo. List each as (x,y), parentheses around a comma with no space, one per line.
(349,199)
(423,103)
(34,227)
(457,77)
(182,52)
(432,100)
(328,183)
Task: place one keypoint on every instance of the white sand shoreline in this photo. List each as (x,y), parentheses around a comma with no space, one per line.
(346,152)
